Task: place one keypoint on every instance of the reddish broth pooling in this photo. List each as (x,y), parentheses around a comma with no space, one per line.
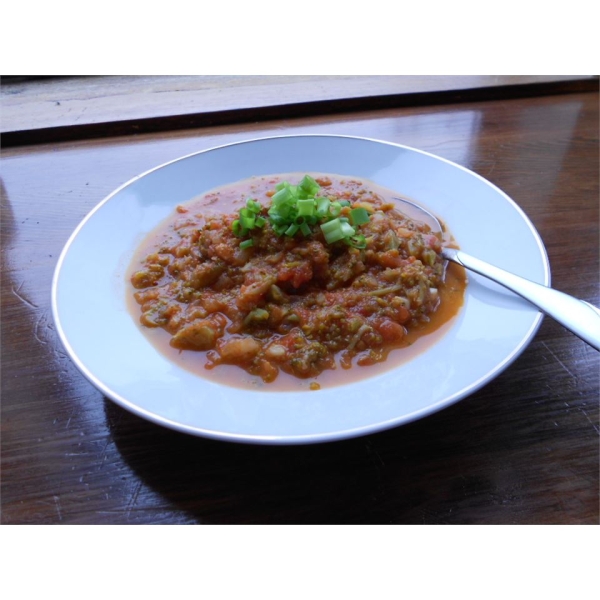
(292,308)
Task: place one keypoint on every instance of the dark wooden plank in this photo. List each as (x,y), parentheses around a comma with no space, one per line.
(522,450)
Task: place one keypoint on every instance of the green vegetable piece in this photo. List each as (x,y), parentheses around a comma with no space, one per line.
(238,229)
(248,222)
(309,185)
(335,209)
(306,207)
(305,229)
(246,244)
(253,206)
(357,241)
(347,229)
(292,229)
(323,206)
(283,196)
(359,216)
(332,230)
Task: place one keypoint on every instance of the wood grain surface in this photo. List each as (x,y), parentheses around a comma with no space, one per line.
(522,450)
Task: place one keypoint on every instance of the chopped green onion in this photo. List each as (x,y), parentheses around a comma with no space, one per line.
(323,206)
(359,216)
(282,196)
(292,229)
(309,186)
(347,229)
(305,229)
(330,226)
(248,222)
(306,207)
(357,241)
(237,228)
(276,219)
(332,230)
(249,218)
(297,208)
(253,205)
(335,209)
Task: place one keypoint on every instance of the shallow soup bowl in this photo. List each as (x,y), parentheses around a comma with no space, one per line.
(90,291)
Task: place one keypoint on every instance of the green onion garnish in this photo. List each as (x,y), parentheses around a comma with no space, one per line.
(305,229)
(253,206)
(357,241)
(359,216)
(334,231)
(292,229)
(323,206)
(247,222)
(237,228)
(298,208)
(309,186)
(335,209)
(306,207)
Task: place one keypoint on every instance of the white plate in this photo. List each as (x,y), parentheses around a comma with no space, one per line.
(492,329)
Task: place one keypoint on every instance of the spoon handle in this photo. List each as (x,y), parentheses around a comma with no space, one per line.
(577,316)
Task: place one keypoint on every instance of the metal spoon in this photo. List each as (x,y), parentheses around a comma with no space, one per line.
(578,316)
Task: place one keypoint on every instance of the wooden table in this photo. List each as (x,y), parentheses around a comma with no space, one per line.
(523,450)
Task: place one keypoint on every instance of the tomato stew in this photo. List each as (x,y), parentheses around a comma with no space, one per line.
(275,304)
